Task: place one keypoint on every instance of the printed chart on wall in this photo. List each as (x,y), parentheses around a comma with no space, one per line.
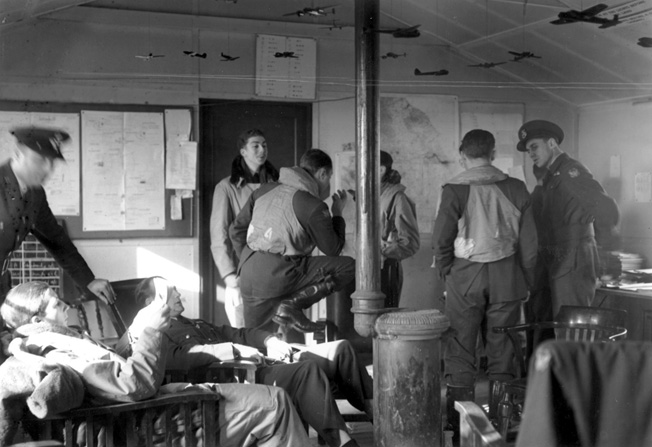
(286,67)
(503,121)
(124,169)
(421,135)
(62,187)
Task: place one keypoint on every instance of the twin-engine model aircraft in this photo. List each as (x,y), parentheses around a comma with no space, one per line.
(442,72)
(227,58)
(523,55)
(487,64)
(195,54)
(149,56)
(393,55)
(316,11)
(286,54)
(589,15)
(409,32)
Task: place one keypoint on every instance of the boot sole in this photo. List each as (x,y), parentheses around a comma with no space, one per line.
(284,321)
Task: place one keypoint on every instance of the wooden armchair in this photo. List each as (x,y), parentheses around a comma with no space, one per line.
(158,421)
(572,323)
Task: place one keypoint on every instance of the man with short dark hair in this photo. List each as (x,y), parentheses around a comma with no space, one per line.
(24,208)
(275,234)
(485,249)
(578,218)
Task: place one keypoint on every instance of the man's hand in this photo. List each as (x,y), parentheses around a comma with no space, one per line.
(339,202)
(103,290)
(155,315)
(248,353)
(278,349)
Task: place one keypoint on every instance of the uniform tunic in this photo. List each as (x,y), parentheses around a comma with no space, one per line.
(575,211)
(20,215)
(307,381)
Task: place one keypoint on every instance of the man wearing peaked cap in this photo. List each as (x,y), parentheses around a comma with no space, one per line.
(24,208)
(576,216)
(46,142)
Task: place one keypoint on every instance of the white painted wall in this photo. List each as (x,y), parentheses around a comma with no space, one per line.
(622,130)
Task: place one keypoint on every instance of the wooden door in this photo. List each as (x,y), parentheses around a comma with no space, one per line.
(288,132)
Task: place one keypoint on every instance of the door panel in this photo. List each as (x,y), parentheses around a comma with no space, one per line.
(288,132)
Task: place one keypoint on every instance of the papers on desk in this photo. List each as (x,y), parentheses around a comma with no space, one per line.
(636,286)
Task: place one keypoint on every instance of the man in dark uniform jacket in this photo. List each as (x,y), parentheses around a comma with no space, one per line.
(194,344)
(24,208)
(577,216)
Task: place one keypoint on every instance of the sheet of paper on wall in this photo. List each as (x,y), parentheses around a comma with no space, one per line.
(181,165)
(517,172)
(176,209)
(181,153)
(286,67)
(62,187)
(176,203)
(643,187)
(144,153)
(122,162)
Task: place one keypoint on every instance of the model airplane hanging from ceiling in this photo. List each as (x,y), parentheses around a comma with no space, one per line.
(645,42)
(418,72)
(487,64)
(227,58)
(195,54)
(393,55)
(408,32)
(523,55)
(149,56)
(286,54)
(316,11)
(589,15)
(333,26)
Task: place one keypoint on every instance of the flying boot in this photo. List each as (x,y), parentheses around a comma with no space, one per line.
(453,394)
(290,311)
(496,392)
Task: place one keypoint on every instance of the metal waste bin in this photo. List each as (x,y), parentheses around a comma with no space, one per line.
(407,390)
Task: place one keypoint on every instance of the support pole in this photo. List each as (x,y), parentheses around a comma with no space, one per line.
(368,300)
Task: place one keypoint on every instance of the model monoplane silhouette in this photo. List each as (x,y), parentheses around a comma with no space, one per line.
(442,72)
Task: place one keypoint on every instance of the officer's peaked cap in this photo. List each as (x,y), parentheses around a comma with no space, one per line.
(46,141)
(538,129)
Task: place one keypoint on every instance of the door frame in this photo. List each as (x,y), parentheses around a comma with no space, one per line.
(208,277)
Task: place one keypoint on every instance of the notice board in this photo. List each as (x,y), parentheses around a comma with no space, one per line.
(181,226)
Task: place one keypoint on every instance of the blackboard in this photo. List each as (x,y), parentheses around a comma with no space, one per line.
(173,228)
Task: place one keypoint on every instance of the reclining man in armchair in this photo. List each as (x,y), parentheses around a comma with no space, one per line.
(248,414)
(194,344)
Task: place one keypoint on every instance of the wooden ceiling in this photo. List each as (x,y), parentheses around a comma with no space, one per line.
(580,63)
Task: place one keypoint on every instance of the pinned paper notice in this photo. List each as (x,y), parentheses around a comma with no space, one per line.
(176,209)
(643,187)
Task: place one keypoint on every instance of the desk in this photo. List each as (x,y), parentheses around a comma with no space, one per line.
(638,306)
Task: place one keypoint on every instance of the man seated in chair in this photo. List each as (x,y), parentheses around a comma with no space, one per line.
(194,344)
(248,414)
(274,236)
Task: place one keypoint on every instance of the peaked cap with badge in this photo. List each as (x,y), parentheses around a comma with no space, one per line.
(46,141)
(538,129)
